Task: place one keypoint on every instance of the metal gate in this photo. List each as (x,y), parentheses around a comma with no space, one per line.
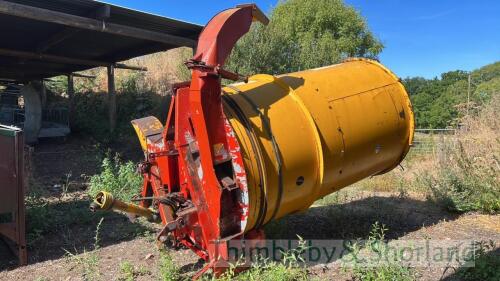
(12,221)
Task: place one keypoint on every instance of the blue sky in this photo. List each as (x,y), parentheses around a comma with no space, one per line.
(421,37)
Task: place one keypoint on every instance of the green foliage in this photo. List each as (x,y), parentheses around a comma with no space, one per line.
(288,269)
(465,176)
(118,178)
(389,271)
(486,264)
(43,217)
(437,102)
(58,84)
(129,272)
(91,116)
(273,271)
(90,109)
(169,271)
(485,90)
(183,73)
(304,34)
(461,187)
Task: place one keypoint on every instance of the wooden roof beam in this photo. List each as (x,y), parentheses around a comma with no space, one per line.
(66,60)
(39,14)
(102,13)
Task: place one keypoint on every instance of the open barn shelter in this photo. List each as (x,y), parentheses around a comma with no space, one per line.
(43,39)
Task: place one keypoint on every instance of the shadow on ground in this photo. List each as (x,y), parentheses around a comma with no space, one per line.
(353,220)
(56,229)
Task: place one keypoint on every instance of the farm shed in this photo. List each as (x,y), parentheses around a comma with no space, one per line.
(43,39)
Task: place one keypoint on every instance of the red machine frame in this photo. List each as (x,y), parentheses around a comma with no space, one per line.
(194,170)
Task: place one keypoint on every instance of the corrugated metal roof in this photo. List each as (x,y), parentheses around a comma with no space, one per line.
(20,33)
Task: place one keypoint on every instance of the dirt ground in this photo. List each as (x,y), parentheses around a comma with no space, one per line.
(67,252)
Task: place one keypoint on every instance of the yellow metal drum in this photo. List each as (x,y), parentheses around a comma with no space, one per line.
(307,134)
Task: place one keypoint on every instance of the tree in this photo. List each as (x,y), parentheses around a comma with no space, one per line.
(304,34)
(486,90)
(437,102)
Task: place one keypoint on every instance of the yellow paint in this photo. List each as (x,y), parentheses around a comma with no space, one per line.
(146,127)
(332,126)
(105,201)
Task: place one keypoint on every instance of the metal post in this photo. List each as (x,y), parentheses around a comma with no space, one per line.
(111,98)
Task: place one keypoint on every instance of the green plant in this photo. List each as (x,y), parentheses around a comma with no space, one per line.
(91,116)
(289,268)
(43,216)
(129,272)
(169,271)
(462,183)
(66,184)
(89,263)
(118,178)
(389,270)
(463,171)
(486,264)
(89,260)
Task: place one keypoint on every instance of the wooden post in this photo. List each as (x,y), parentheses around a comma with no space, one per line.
(111,98)
(71,93)
(468,95)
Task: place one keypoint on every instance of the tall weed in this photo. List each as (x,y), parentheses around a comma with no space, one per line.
(118,178)
(465,175)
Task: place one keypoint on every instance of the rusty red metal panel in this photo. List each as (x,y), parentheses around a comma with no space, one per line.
(196,170)
(12,220)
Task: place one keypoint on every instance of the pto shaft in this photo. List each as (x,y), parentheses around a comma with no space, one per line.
(104,201)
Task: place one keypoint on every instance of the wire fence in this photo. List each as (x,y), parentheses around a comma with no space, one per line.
(431,141)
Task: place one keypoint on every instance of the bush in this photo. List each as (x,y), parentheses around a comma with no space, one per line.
(118,178)
(466,174)
(91,116)
(462,188)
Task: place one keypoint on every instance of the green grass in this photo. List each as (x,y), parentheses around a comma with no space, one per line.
(338,197)
(289,268)
(44,217)
(89,261)
(486,264)
(129,272)
(384,273)
(48,218)
(169,271)
(273,271)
